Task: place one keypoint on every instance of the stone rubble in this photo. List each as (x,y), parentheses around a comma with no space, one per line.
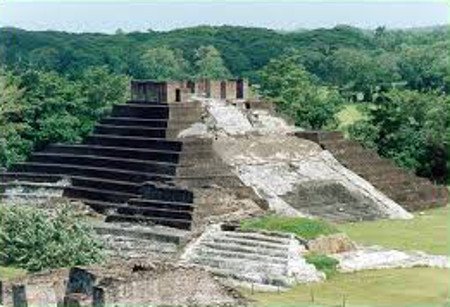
(274,163)
(376,257)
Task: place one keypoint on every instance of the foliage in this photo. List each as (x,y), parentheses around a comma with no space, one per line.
(388,287)
(412,128)
(297,93)
(323,263)
(162,63)
(33,240)
(44,107)
(302,227)
(209,64)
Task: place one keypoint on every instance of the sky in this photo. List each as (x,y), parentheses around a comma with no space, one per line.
(130,16)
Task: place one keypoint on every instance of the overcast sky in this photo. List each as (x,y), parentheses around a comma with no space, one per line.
(158,15)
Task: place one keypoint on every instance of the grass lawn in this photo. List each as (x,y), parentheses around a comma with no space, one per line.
(427,232)
(8,273)
(302,227)
(395,287)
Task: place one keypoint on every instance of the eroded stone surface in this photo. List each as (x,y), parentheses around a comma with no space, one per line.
(375,257)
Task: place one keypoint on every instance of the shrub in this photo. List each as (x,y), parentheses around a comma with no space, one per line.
(33,240)
(323,263)
(302,227)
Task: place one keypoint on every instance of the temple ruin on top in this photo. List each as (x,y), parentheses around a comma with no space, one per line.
(181,91)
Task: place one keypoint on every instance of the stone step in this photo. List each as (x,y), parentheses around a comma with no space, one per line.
(152,233)
(276,238)
(214,253)
(133,121)
(154,212)
(106,184)
(141,131)
(29,177)
(87,171)
(216,244)
(241,265)
(32,186)
(119,152)
(163,168)
(167,193)
(141,111)
(136,248)
(140,202)
(146,102)
(98,194)
(124,209)
(252,243)
(273,280)
(117,218)
(133,142)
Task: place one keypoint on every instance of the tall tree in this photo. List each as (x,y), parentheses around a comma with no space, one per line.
(162,63)
(297,94)
(209,64)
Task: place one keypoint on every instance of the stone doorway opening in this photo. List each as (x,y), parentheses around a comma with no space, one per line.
(223,90)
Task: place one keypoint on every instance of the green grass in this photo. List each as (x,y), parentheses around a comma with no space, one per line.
(9,272)
(426,232)
(302,227)
(323,263)
(395,287)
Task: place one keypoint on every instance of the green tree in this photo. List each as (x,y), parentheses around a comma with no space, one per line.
(412,128)
(13,147)
(209,64)
(162,63)
(33,240)
(297,93)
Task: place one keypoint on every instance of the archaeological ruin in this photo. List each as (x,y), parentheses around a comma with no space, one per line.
(171,173)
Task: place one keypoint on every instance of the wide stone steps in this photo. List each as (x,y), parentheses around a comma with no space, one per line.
(87,171)
(107,162)
(119,152)
(140,131)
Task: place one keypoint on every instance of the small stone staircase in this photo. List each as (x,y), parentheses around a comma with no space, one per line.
(253,257)
(410,191)
(128,167)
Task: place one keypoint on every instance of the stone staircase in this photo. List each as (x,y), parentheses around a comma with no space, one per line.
(251,257)
(129,166)
(410,191)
